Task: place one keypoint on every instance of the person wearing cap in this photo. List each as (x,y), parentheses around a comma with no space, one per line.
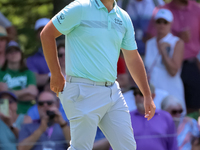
(10,123)
(164,56)
(11,30)
(95,31)
(187,128)
(3,43)
(15,75)
(186,26)
(157,134)
(37,62)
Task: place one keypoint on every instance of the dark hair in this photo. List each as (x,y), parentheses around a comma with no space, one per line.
(60,45)
(23,66)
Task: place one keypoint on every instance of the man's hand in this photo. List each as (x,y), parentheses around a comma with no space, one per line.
(43,124)
(149,107)
(58,118)
(57,82)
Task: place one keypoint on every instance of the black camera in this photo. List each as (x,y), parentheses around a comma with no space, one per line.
(51,116)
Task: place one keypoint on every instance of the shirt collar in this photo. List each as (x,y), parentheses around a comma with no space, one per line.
(100,5)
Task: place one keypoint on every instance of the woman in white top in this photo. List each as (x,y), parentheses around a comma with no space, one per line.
(164,55)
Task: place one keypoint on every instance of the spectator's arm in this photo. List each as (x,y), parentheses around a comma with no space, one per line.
(23,145)
(101,144)
(173,64)
(41,79)
(31,89)
(66,132)
(27,119)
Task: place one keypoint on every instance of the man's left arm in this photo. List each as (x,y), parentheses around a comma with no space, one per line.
(136,68)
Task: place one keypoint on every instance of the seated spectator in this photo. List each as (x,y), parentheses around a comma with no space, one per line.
(37,62)
(187,128)
(164,55)
(17,78)
(159,95)
(10,123)
(3,43)
(8,26)
(140,12)
(51,131)
(157,134)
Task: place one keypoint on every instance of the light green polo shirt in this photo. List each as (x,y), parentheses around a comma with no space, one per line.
(94,38)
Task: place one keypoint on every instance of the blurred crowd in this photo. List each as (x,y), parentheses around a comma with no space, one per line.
(168,40)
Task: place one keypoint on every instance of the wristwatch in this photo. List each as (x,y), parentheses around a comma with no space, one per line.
(63,125)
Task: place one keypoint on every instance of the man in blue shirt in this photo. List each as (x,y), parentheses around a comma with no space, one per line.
(95,31)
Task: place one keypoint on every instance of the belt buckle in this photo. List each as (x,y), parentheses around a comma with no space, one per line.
(106,84)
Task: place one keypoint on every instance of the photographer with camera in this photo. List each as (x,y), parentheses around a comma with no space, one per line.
(50,132)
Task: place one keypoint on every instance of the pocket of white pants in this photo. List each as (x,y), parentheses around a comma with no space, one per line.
(71,92)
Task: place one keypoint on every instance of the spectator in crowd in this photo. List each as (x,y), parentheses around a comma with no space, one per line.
(164,55)
(15,77)
(37,62)
(122,75)
(3,43)
(10,123)
(61,56)
(51,131)
(186,26)
(158,94)
(140,12)
(156,134)
(187,128)
(8,26)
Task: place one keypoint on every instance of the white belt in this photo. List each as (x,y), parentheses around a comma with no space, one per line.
(87,81)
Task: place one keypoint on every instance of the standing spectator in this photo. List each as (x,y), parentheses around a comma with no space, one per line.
(50,131)
(8,26)
(3,43)
(164,55)
(17,78)
(140,12)
(156,134)
(186,25)
(187,128)
(11,124)
(37,62)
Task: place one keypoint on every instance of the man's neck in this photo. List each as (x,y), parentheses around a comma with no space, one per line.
(108,4)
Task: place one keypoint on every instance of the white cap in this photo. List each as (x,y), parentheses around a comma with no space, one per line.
(164,14)
(41,23)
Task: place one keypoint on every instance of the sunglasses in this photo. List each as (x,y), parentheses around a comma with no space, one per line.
(174,112)
(136,92)
(160,21)
(60,55)
(49,103)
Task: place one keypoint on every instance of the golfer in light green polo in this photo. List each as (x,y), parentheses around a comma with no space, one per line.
(95,32)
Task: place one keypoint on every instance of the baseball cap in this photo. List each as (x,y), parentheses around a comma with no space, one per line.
(3,32)
(41,23)
(164,14)
(9,93)
(13,44)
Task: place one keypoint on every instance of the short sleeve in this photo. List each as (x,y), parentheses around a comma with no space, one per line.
(128,42)
(31,79)
(68,18)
